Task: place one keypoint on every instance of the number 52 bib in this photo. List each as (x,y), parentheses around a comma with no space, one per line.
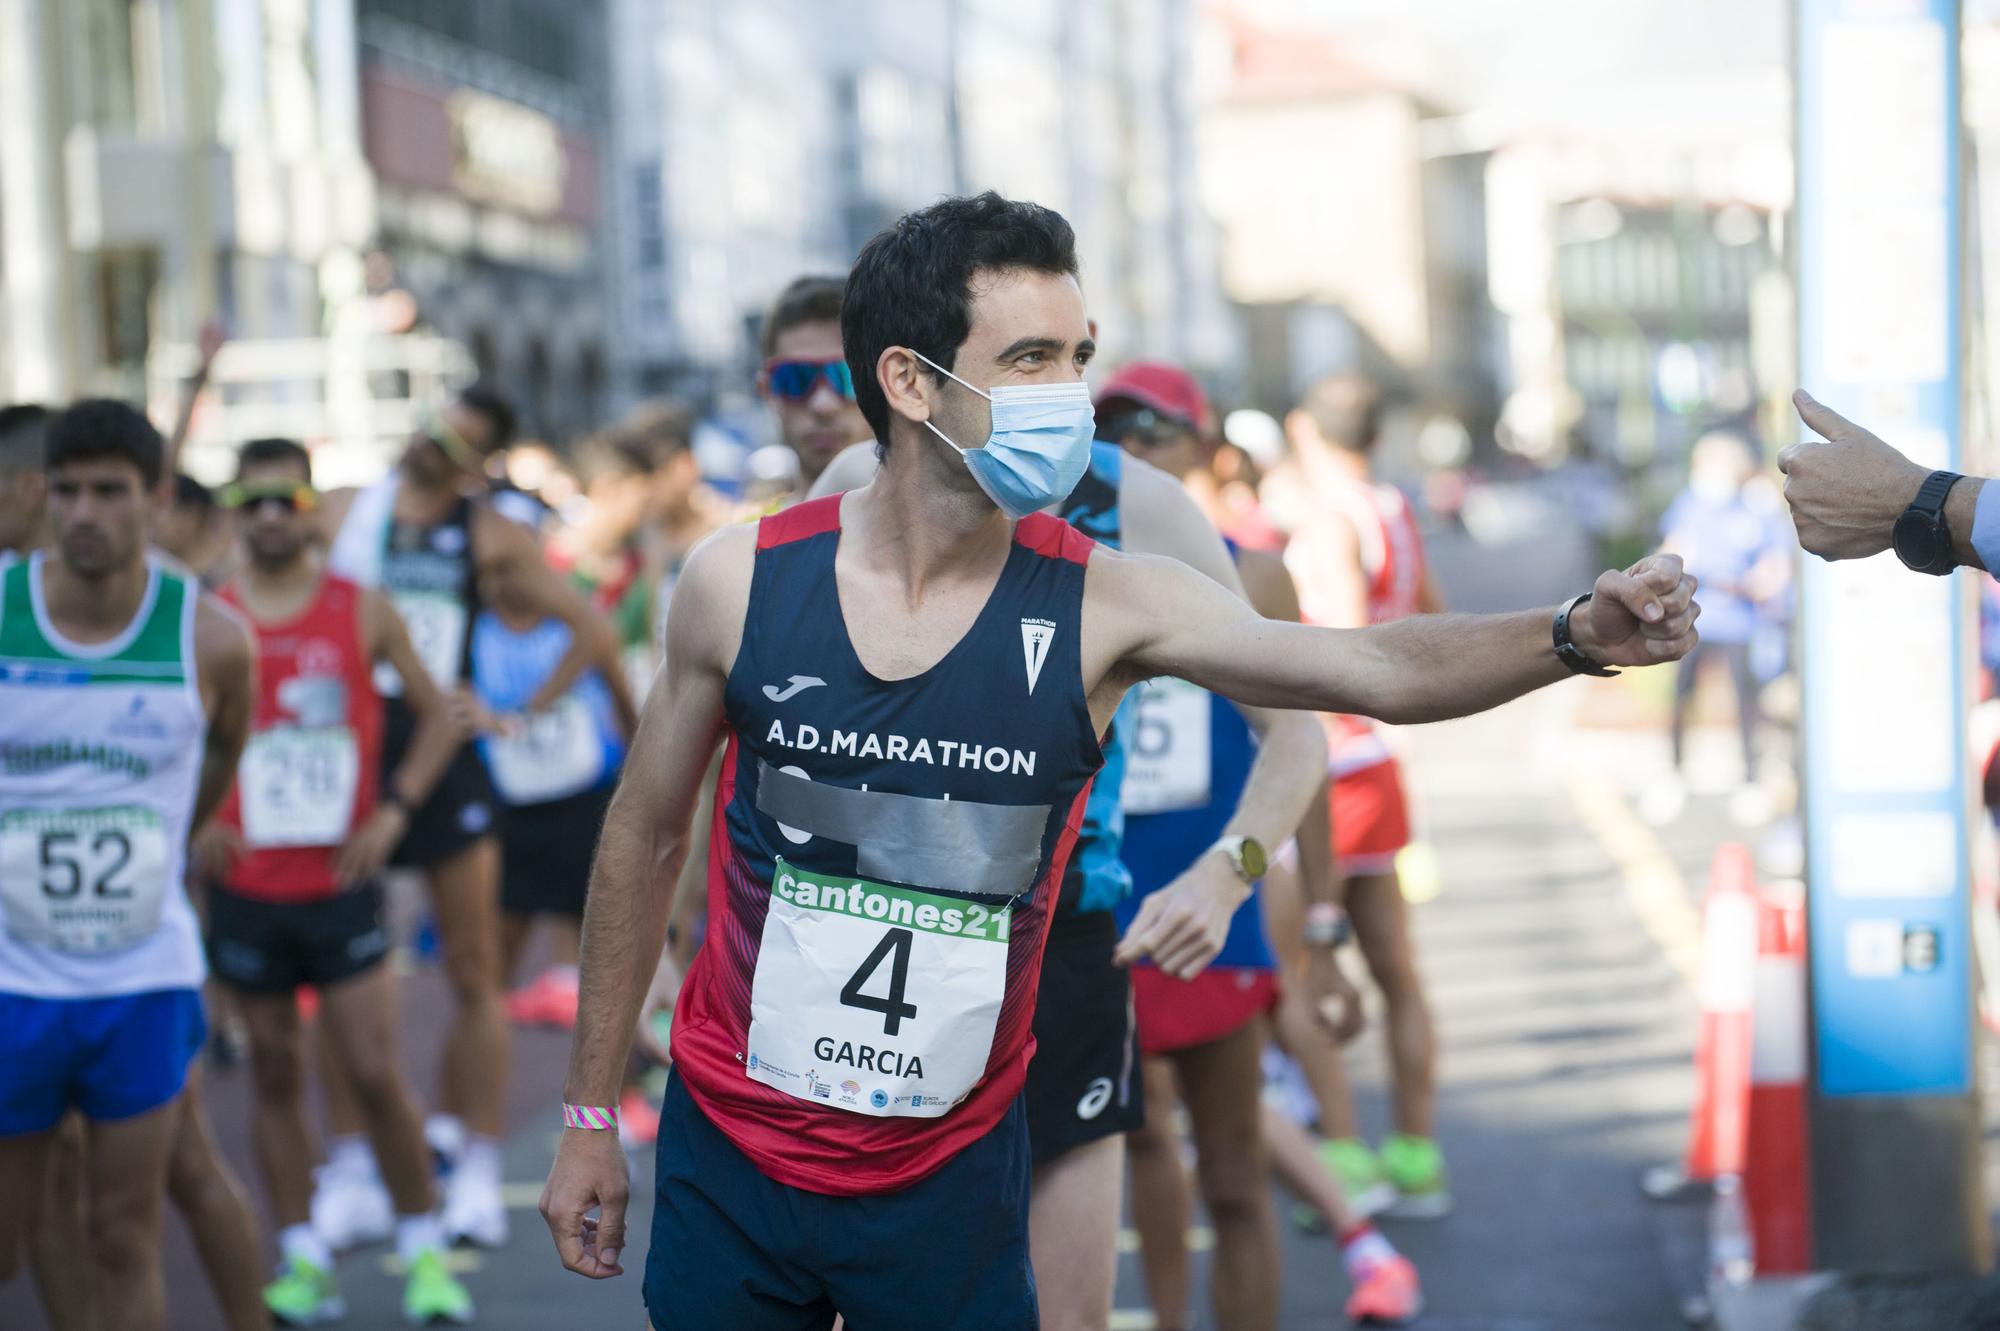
(879,1000)
(83,880)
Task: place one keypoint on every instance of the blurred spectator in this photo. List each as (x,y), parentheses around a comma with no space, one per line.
(23,487)
(1730,543)
(194,532)
(1159,413)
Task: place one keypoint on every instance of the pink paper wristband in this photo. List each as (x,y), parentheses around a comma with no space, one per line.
(589,1116)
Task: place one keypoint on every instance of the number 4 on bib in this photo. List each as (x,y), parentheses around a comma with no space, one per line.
(874,999)
(892,1007)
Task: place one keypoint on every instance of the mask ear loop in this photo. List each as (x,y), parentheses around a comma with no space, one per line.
(961,449)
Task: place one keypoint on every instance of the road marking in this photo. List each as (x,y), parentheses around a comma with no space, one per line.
(1653,884)
(1200,1238)
(458,1261)
(521,1196)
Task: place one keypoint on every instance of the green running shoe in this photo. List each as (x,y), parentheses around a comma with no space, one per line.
(304,1295)
(433,1294)
(1361,1176)
(1415,1168)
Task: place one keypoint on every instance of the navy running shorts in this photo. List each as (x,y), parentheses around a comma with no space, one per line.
(733,1248)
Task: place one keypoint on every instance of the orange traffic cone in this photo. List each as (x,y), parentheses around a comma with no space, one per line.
(1776,1174)
(1728,986)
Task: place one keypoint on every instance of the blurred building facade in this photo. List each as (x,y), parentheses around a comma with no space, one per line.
(1646,293)
(303,170)
(162,161)
(762,139)
(485,124)
(1353,230)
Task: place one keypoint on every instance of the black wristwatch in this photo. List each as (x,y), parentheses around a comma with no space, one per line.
(1567,651)
(1920,537)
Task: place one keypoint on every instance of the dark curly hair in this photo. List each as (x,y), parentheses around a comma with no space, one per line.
(912,285)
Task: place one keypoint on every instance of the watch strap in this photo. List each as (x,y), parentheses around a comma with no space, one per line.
(1232,849)
(1567,651)
(1931,494)
(1927,508)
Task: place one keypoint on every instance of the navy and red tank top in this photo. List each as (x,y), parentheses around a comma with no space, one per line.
(308,773)
(884,861)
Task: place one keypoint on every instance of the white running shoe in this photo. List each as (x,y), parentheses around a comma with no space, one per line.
(350,1207)
(474,1211)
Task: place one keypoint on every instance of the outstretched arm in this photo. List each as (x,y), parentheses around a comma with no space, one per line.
(1154,617)
(639,855)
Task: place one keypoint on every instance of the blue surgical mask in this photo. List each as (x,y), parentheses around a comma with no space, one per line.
(1040,445)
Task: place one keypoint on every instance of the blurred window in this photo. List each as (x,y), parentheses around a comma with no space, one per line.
(649,222)
(111,88)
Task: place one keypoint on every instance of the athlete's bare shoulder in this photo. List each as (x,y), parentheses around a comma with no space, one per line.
(852,467)
(1267,583)
(1159,517)
(225,647)
(705,617)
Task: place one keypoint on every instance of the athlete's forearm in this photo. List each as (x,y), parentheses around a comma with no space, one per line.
(592,642)
(228,732)
(218,769)
(1436,667)
(624,931)
(1318,874)
(1290,765)
(431,750)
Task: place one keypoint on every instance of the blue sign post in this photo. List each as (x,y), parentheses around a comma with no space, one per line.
(1896,1162)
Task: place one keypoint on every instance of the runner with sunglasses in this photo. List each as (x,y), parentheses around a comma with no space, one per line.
(291,860)
(425,535)
(805,378)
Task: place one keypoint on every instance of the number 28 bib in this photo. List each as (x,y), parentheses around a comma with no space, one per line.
(83,880)
(879,1000)
(298,786)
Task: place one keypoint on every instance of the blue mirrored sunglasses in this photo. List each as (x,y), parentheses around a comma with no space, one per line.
(794,380)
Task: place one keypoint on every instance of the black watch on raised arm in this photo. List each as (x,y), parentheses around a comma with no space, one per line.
(1567,651)
(1921,539)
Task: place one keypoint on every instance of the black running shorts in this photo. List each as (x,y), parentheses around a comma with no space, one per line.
(1083,1082)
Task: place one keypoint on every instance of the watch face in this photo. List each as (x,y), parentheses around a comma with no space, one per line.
(1253,859)
(1916,540)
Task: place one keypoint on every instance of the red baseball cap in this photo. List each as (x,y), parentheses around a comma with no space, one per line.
(1166,389)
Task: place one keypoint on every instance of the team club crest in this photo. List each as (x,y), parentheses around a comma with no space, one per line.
(1036,635)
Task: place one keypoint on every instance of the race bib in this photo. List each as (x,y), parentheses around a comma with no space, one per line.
(82,880)
(1167,762)
(556,753)
(437,631)
(297,786)
(878,1000)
